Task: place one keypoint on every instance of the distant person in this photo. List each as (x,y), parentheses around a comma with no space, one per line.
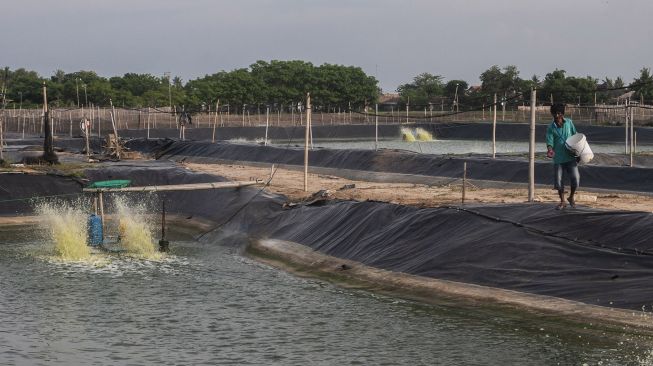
(563,160)
(185,119)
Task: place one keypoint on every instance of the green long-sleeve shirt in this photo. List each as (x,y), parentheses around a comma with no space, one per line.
(556,137)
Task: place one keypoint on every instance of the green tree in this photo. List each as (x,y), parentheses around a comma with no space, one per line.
(423,90)
(24,86)
(643,85)
(506,82)
(568,89)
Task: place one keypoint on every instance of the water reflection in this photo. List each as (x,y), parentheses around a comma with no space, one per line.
(207,304)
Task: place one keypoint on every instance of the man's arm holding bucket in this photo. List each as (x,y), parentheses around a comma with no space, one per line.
(549,142)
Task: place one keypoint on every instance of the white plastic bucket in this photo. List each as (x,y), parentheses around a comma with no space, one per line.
(578,146)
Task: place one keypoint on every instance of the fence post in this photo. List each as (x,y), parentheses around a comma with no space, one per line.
(494,128)
(531,150)
(376,127)
(306,137)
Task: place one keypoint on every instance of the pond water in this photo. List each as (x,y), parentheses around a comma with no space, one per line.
(455,146)
(206,304)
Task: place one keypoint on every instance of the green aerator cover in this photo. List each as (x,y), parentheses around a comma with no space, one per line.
(116,183)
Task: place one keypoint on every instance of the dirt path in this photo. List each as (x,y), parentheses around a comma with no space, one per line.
(291,184)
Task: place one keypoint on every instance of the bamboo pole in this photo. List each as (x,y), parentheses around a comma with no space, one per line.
(2,142)
(101,201)
(632,133)
(494,128)
(113,119)
(176,187)
(306,137)
(215,121)
(626,120)
(531,150)
(70,116)
(267,124)
(376,127)
(148,122)
(87,132)
(48,149)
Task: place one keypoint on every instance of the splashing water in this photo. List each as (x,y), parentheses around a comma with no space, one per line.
(407,135)
(423,135)
(66,225)
(134,227)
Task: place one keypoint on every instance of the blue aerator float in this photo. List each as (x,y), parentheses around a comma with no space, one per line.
(95,232)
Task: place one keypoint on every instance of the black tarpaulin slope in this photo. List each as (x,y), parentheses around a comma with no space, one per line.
(581,255)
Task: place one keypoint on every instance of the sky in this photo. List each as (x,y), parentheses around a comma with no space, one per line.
(393,41)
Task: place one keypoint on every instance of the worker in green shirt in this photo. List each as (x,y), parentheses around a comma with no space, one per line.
(557,133)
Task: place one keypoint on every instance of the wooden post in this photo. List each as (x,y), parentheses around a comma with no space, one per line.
(350,112)
(531,150)
(148,122)
(407,108)
(113,119)
(101,213)
(503,108)
(310,128)
(48,149)
(376,127)
(494,128)
(87,132)
(2,142)
(632,133)
(215,122)
(306,137)
(464,181)
(267,124)
(626,124)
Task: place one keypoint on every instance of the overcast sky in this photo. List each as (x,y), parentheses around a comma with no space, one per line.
(391,40)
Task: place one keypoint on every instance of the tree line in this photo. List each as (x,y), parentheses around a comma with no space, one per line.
(556,86)
(282,85)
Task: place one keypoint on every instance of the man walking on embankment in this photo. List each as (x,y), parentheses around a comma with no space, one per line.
(557,133)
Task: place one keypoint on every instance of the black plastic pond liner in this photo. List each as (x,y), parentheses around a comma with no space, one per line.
(596,257)
(17,191)
(611,177)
